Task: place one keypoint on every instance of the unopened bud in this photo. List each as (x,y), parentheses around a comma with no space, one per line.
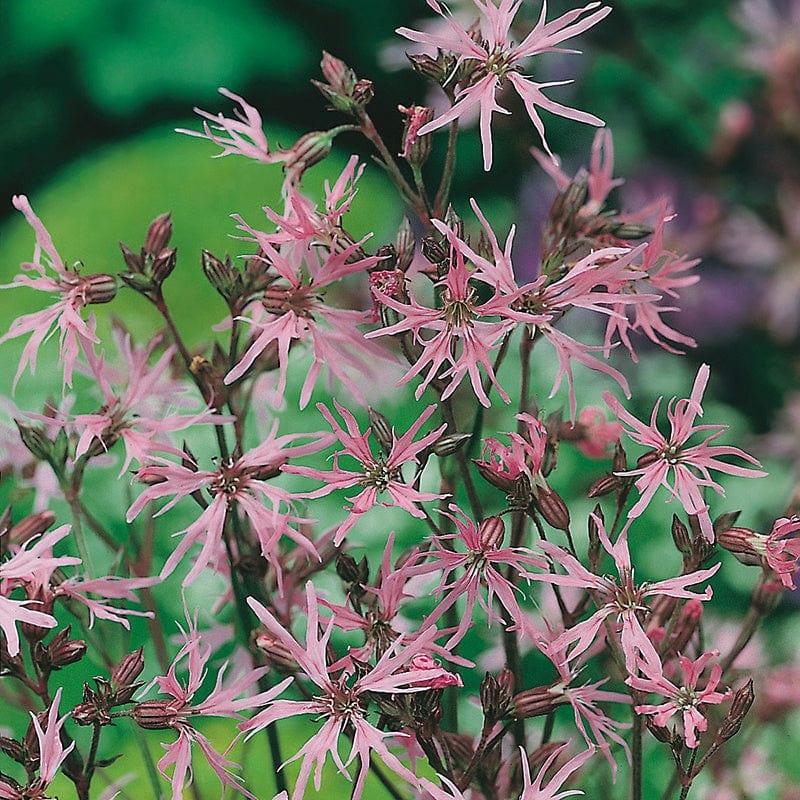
(404,244)
(128,669)
(30,526)
(35,633)
(595,520)
(496,698)
(99,288)
(491,532)
(13,749)
(552,508)
(308,150)
(449,444)
(603,486)
(631,230)
(163,265)
(680,535)
(381,429)
(35,439)
(156,714)
(740,705)
(60,651)
(90,714)
(276,654)
(210,381)
(620,461)
(436,69)
(435,251)
(725,521)
(363,92)
(158,234)
(351,571)
(222,275)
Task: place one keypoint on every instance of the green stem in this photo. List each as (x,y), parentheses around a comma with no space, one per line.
(443,194)
(636,757)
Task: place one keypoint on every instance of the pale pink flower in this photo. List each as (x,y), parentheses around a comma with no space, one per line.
(524,456)
(52,753)
(297,311)
(622,598)
(460,335)
(536,789)
(221,702)
(75,333)
(340,700)
(686,699)
(482,561)
(783,549)
(110,587)
(237,486)
(495,59)
(30,567)
(689,465)
(377,474)
(243,135)
(598,434)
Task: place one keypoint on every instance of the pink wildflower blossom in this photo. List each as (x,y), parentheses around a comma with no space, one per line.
(536,789)
(305,264)
(689,465)
(464,331)
(378,474)
(598,434)
(495,59)
(238,485)
(30,567)
(75,333)
(783,549)
(481,563)
(243,135)
(686,699)
(342,699)
(503,464)
(176,712)
(622,598)
(52,753)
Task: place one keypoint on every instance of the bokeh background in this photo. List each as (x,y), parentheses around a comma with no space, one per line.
(703,100)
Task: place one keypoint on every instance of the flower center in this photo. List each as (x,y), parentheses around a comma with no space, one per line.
(379,475)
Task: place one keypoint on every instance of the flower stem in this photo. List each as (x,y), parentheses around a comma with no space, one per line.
(636,757)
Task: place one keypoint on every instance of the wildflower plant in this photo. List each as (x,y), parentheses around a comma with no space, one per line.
(323,610)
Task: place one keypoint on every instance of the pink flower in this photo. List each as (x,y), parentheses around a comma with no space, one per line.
(340,700)
(622,598)
(495,59)
(52,753)
(243,136)
(75,333)
(503,464)
(481,564)
(31,568)
(378,474)
(783,549)
(176,712)
(689,465)
(598,434)
(461,334)
(536,789)
(237,486)
(686,699)
(307,255)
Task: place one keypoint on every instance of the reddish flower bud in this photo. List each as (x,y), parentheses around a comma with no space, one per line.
(30,526)
(416,149)
(158,234)
(276,654)
(603,486)
(128,669)
(740,705)
(552,508)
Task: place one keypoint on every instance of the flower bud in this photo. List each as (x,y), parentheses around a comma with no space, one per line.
(13,749)
(156,714)
(222,275)
(158,234)
(352,572)
(60,651)
(740,705)
(603,486)
(449,444)
(128,670)
(163,265)
(30,526)
(437,69)
(491,532)
(404,244)
(552,508)
(276,654)
(496,697)
(308,150)
(35,439)
(680,535)
(489,473)
(381,429)
(742,543)
(35,633)
(99,288)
